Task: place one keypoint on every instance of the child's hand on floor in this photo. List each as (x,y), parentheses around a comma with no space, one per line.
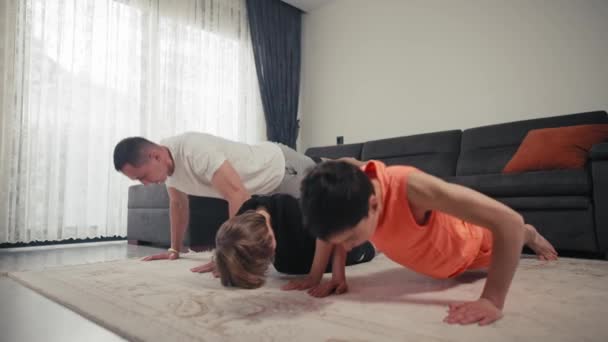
(481,311)
(208,267)
(329,287)
(301,284)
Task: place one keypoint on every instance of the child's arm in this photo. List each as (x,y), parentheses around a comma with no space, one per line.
(323,251)
(337,284)
(426,192)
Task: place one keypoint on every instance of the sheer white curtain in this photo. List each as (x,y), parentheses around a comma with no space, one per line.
(79,75)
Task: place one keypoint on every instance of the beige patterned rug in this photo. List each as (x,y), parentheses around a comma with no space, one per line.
(163,301)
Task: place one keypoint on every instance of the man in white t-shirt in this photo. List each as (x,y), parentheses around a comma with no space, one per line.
(201,164)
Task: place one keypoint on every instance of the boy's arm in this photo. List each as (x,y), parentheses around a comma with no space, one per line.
(323,251)
(426,192)
(338,266)
(337,284)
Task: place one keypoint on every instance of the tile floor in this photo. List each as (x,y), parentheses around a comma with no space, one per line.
(27,316)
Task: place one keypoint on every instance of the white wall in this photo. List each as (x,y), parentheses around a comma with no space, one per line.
(379,68)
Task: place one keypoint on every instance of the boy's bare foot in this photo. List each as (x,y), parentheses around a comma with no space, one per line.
(543,249)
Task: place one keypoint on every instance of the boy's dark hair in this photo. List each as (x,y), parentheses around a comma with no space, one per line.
(335,197)
(131,151)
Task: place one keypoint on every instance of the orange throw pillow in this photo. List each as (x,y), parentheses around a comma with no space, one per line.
(556,148)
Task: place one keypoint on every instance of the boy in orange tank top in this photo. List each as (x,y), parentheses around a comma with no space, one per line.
(419,221)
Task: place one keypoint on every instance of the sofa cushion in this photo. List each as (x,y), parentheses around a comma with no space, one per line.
(557,148)
(487,149)
(336,151)
(435,153)
(541,183)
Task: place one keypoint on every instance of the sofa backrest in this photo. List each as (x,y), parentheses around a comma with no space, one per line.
(488,149)
(435,153)
(336,151)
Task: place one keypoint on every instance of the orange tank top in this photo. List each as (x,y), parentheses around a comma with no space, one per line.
(443,247)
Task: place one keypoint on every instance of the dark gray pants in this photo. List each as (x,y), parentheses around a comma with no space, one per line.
(297,166)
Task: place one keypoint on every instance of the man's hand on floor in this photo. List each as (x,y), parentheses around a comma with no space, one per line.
(162,256)
(481,311)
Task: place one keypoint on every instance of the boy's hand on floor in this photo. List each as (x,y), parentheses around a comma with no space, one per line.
(162,256)
(300,284)
(329,287)
(481,311)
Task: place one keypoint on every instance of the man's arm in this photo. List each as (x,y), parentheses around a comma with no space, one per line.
(228,183)
(507,226)
(179,212)
(323,251)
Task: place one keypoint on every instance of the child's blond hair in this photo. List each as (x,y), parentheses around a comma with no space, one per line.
(244,250)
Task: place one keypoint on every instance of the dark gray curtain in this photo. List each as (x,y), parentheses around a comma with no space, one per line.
(275,34)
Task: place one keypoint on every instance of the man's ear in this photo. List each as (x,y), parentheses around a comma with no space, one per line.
(154,154)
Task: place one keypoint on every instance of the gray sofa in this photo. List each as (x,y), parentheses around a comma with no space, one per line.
(148,218)
(570,207)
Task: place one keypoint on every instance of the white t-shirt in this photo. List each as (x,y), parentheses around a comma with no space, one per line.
(197,156)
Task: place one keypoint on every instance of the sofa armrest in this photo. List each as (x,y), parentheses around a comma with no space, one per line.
(148,196)
(599,152)
(599,175)
(148,215)
(335,151)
